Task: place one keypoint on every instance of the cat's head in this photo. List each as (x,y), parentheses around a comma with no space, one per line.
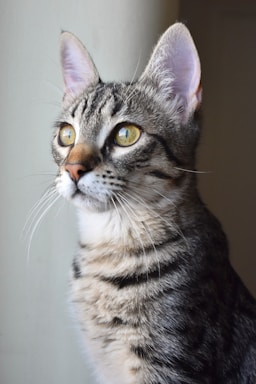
(117,142)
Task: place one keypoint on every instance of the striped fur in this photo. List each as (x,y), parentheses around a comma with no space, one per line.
(153,289)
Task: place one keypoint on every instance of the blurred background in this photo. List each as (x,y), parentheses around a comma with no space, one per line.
(39,342)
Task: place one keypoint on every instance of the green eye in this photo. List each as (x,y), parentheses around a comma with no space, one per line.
(67,135)
(127,135)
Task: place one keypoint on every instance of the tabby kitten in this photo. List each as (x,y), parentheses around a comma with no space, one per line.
(152,285)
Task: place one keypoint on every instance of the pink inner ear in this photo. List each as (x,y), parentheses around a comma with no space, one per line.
(185,67)
(79,71)
(72,72)
(175,66)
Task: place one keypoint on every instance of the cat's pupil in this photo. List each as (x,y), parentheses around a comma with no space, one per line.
(124,132)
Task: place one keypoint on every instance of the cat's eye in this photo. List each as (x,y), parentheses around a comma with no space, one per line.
(67,135)
(127,135)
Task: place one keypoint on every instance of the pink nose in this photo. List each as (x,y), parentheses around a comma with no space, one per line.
(75,170)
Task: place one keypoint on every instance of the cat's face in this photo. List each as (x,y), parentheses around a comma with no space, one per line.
(125,144)
(106,145)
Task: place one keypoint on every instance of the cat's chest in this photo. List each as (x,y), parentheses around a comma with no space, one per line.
(115,275)
(109,329)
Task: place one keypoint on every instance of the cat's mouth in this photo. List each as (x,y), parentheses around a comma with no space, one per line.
(77,193)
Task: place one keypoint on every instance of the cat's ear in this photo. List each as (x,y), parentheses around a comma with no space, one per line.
(79,71)
(175,67)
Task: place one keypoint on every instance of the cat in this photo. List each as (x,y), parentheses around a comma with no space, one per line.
(153,289)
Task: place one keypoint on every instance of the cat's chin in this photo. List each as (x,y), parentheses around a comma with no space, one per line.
(83,201)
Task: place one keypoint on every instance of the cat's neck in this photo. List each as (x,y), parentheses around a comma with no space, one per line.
(114,227)
(98,227)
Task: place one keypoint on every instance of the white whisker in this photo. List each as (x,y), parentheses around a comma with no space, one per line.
(147,207)
(37,174)
(120,220)
(38,206)
(145,228)
(36,215)
(129,96)
(37,224)
(192,170)
(133,77)
(140,200)
(54,87)
(123,205)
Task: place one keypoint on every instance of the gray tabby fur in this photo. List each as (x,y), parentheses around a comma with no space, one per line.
(156,297)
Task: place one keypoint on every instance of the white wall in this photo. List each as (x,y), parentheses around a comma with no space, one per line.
(38,343)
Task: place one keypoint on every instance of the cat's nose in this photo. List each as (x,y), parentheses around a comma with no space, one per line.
(75,170)
(82,158)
